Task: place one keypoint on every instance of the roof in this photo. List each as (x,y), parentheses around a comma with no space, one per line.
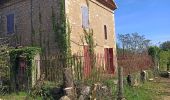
(108,3)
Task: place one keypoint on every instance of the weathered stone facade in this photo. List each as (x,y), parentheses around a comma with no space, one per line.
(33,23)
(32,20)
(99,16)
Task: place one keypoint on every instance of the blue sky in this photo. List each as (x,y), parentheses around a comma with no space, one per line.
(147,17)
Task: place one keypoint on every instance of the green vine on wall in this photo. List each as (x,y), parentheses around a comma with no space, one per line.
(91,44)
(28,54)
(62,30)
(40,26)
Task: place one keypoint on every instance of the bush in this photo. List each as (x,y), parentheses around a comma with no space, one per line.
(41,90)
(164,74)
(47,91)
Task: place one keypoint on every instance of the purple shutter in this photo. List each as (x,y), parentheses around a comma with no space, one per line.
(85,17)
(10,23)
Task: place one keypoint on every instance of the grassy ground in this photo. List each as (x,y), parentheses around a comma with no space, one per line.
(19,96)
(156,90)
(14,96)
(143,92)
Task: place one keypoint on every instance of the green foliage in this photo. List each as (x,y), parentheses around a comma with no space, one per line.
(28,53)
(165,45)
(89,40)
(91,46)
(144,92)
(164,59)
(4,61)
(164,74)
(161,56)
(40,26)
(62,30)
(43,92)
(154,51)
(19,96)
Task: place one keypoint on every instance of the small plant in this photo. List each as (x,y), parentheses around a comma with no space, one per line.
(41,90)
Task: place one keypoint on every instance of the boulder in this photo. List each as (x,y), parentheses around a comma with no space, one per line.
(64,98)
(81,97)
(85,90)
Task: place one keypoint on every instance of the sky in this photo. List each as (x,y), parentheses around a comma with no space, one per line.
(150,18)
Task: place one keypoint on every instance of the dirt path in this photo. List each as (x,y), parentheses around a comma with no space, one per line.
(167,98)
(165,89)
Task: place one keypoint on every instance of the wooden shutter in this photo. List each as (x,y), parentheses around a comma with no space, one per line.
(10,23)
(85,17)
(105,31)
(109,60)
(87,64)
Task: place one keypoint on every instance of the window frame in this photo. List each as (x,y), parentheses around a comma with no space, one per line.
(13,28)
(86,24)
(105,32)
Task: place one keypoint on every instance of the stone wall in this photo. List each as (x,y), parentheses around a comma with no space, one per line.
(99,15)
(41,10)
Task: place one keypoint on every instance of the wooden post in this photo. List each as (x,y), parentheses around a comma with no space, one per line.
(120,83)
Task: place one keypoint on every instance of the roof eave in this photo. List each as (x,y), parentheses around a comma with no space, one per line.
(110,4)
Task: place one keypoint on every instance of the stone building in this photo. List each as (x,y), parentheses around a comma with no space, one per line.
(31,23)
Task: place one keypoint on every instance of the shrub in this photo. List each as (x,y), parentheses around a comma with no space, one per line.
(164,74)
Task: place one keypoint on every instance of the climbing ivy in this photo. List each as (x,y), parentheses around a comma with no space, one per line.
(89,40)
(62,30)
(91,44)
(28,54)
(40,27)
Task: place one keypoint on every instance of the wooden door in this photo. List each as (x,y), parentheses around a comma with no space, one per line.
(109,60)
(87,63)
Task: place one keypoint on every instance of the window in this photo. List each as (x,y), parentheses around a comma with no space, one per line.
(10,23)
(85,17)
(105,31)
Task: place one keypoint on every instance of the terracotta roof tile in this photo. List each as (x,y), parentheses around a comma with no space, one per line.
(108,3)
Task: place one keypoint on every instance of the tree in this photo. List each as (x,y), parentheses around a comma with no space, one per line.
(133,55)
(165,45)
(134,42)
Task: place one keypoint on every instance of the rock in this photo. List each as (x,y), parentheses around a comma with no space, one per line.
(65,98)
(104,87)
(69,92)
(68,78)
(129,80)
(81,97)
(57,93)
(124,99)
(136,83)
(151,79)
(168,74)
(115,82)
(85,90)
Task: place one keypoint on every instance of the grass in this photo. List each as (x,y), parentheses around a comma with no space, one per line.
(19,96)
(147,91)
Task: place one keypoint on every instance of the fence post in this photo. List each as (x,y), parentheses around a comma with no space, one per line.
(120,83)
